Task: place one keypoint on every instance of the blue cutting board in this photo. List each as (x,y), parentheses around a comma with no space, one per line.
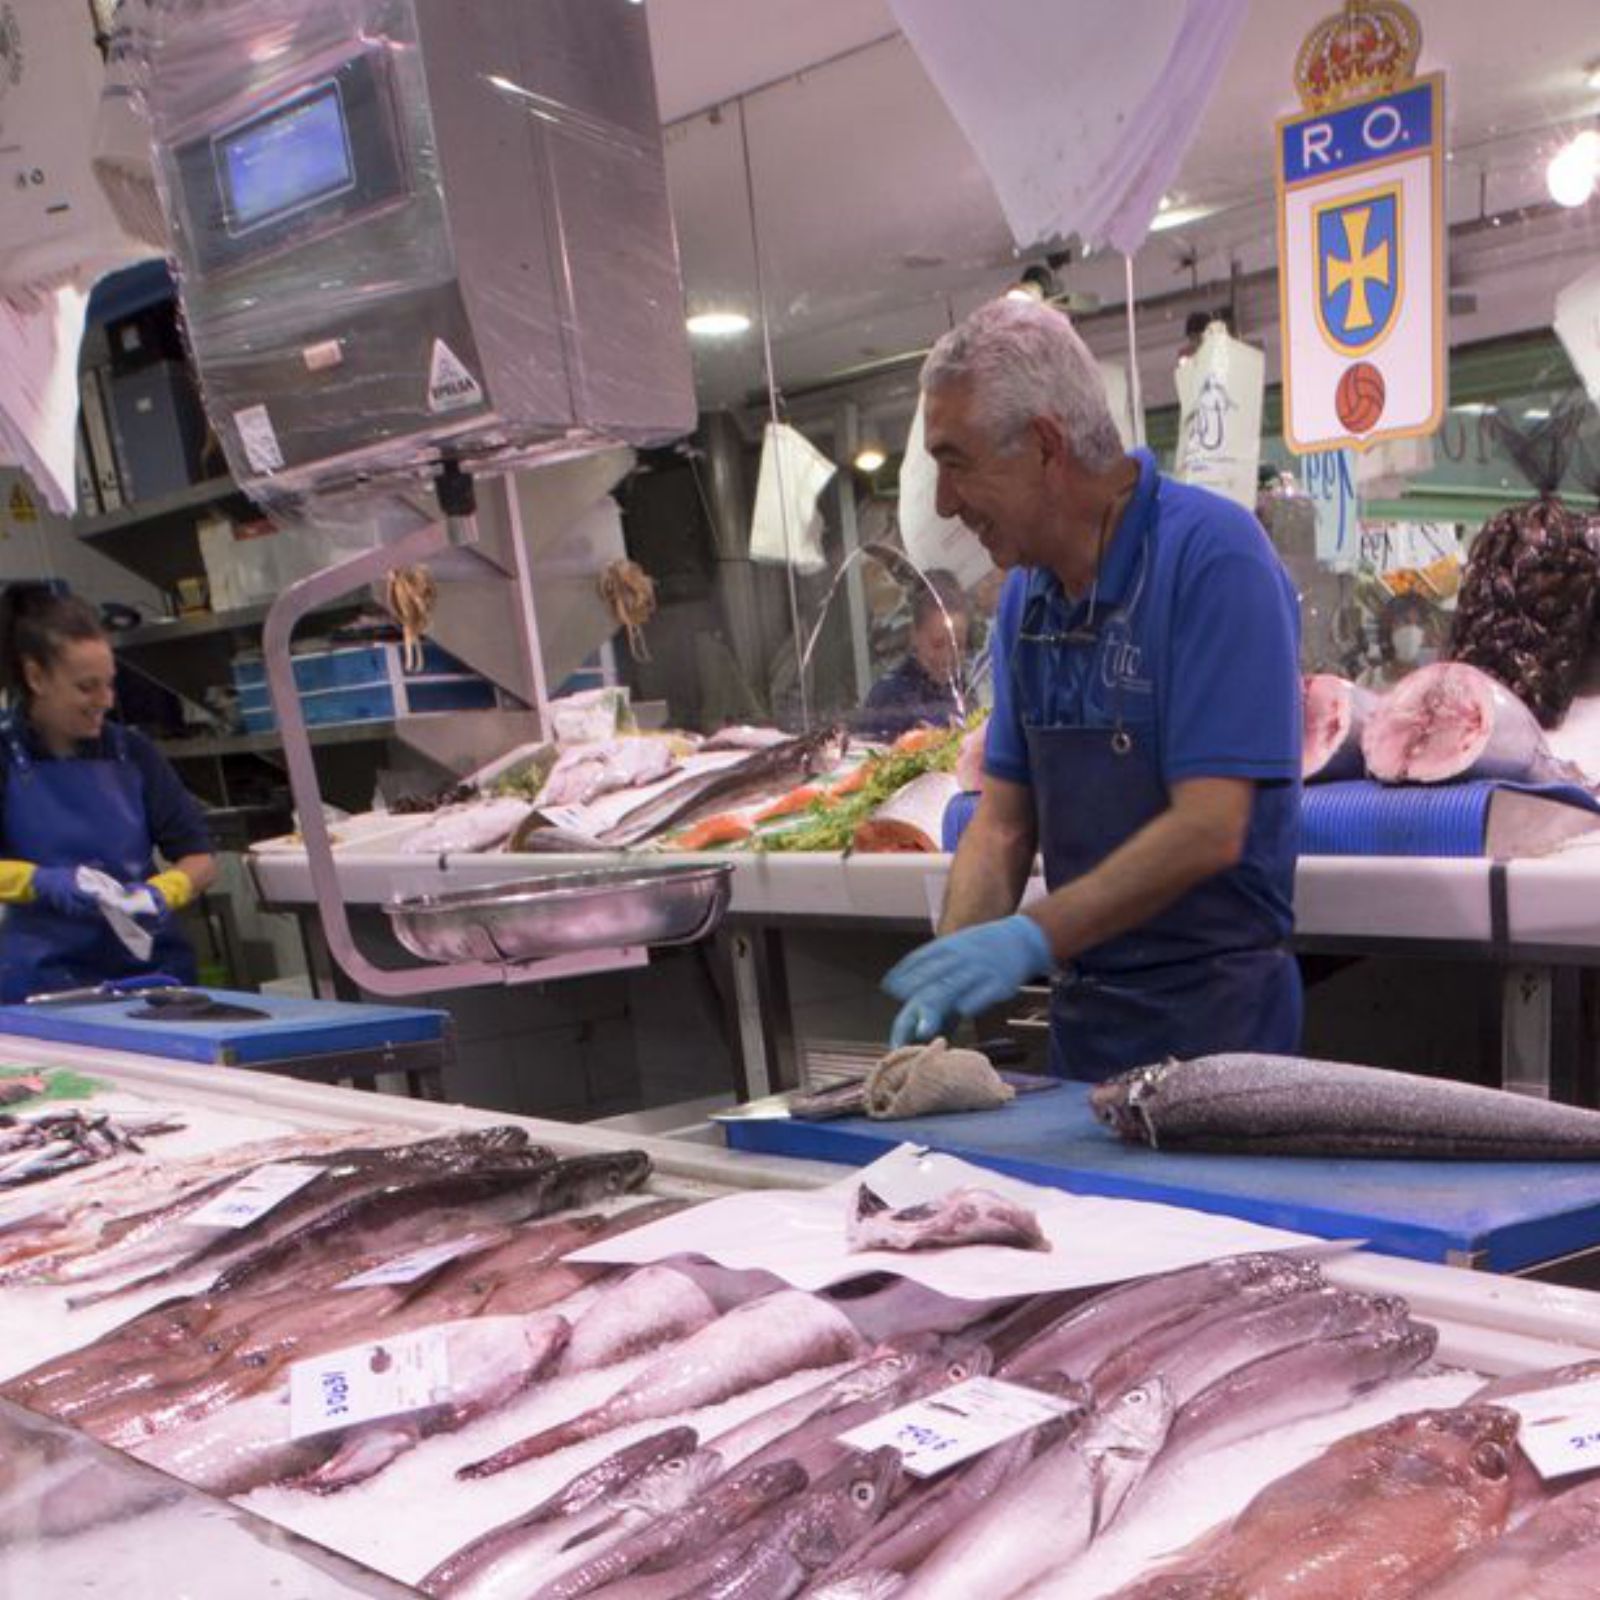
(1500,1215)
(293,1027)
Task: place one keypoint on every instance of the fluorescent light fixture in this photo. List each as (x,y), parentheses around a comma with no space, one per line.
(869,458)
(1591,74)
(718,324)
(1536,414)
(1181,217)
(1574,169)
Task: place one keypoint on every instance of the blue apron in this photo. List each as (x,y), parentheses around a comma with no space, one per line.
(84,811)
(1208,974)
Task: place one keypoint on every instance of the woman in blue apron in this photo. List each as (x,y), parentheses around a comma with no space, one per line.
(1167,693)
(85,805)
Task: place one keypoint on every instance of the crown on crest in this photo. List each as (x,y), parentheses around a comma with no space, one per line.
(1366,49)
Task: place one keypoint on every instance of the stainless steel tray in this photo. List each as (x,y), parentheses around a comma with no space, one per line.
(563,913)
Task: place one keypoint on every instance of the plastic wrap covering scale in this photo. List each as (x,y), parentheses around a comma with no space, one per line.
(413,230)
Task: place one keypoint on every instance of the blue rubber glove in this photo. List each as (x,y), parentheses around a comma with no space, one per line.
(56,888)
(964,973)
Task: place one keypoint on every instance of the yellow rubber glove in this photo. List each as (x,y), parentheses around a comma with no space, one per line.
(174,887)
(16,882)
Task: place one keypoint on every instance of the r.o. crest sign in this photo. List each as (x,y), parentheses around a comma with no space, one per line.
(1361,236)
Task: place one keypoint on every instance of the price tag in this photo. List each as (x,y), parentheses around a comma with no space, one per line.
(1330,480)
(937,1432)
(418,1263)
(571,819)
(1560,1427)
(254,1195)
(389,1378)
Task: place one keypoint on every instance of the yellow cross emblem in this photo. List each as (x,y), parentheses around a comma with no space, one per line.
(1359,267)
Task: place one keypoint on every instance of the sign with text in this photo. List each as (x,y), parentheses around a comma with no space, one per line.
(1361,269)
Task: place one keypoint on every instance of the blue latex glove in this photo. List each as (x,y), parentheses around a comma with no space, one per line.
(56,888)
(964,973)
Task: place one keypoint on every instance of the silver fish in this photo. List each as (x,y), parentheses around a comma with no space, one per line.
(724,1505)
(960,1217)
(772,771)
(511,1555)
(1336,714)
(804,1539)
(874,1585)
(770,1338)
(1198,1355)
(1054,1508)
(1449,721)
(1090,1333)
(1274,1390)
(654,1306)
(1289,1105)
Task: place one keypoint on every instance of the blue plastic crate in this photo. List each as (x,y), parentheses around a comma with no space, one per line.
(346,667)
(374,702)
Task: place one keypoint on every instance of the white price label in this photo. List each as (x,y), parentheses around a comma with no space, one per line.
(417,1263)
(1560,1427)
(570,819)
(389,1378)
(254,1195)
(940,1430)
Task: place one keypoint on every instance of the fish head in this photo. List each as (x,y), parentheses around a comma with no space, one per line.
(601,1177)
(967,1358)
(1121,1440)
(673,1482)
(845,1504)
(888,1365)
(1123,1103)
(633,1461)
(1474,1447)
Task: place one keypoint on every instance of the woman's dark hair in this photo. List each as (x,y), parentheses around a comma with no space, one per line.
(36,620)
(939,593)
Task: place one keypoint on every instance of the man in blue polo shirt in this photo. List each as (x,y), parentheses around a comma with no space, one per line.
(1146,728)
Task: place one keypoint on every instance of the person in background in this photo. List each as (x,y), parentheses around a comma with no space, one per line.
(927,685)
(76,792)
(1411,631)
(1146,728)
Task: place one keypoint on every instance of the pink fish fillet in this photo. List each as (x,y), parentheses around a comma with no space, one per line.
(1450,721)
(1336,713)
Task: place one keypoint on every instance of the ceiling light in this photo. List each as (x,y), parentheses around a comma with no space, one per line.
(1575,169)
(869,459)
(1180,217)
(718,324)
(1592,74)
(1536,414)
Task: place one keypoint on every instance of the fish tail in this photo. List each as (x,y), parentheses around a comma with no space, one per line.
(535,1446)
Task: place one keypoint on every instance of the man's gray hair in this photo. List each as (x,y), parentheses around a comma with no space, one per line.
(1025,360)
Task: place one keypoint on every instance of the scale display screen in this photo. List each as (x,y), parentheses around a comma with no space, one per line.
(285,160)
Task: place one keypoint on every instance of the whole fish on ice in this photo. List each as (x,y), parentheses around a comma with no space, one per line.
(1289,1105)
(959,1217)
(1336,716)
(1377,1516)
(1553,1555)
(1449,721)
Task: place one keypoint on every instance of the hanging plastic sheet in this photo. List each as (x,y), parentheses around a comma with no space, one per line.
(787,526)
(1220,389)
(1078,133)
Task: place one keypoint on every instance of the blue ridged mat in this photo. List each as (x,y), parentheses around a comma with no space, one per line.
(1361,818)
(293,1027)
(1500,1215)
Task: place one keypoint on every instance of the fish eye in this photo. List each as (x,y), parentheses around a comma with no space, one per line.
(1490,1460)
(959,1370)
(863,1493)
(675,1464)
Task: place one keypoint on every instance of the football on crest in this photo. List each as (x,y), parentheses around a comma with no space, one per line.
(1359,398)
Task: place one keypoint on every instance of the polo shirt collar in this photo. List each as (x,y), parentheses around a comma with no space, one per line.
(1124,549)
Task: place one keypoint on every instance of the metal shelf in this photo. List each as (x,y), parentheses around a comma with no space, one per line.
(246,744)
(243,619)
(141,537)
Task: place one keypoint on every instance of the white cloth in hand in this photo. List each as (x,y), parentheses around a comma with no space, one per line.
(119,906)
(920,1080)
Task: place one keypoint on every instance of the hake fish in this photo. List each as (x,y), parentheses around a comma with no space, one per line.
(1288,1105)
(1379,1514)
(960,1217)
(1054,1508)
(1449,721)
(507,1561)
(779,1334)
